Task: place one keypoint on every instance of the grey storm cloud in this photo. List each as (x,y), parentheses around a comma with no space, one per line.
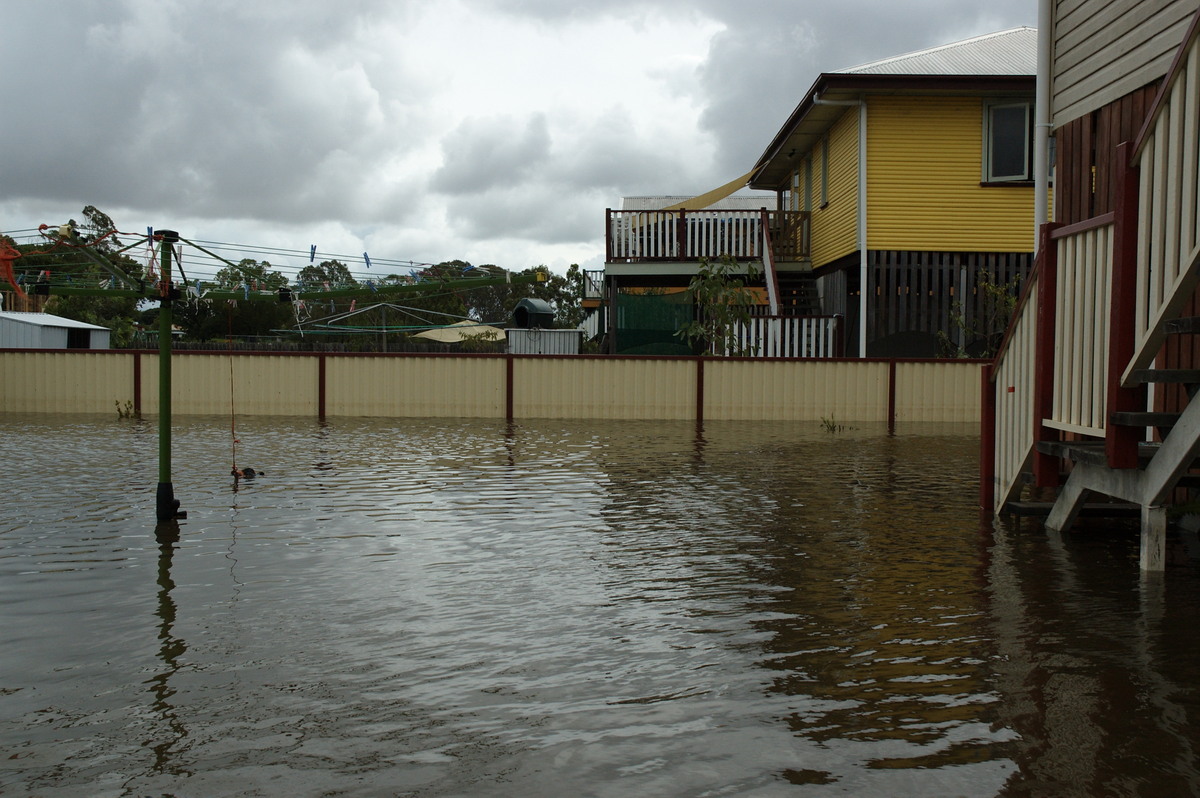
(481,154)
(354,113)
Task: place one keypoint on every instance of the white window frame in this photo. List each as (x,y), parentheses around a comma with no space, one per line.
(989,108)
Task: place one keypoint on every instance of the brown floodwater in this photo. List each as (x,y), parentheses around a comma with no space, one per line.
(468,608)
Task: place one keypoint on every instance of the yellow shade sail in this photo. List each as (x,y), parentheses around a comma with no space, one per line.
(704,200)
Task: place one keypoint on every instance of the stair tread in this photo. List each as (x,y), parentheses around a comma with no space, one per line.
(1127,418)
(1183,376)
(1090,509)
(1183,326)
(1090,451)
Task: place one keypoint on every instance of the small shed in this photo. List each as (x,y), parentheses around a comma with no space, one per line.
(47,331)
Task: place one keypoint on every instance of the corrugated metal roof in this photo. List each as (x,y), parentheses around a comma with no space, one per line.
(48,320)
(1008,52)
(741,201)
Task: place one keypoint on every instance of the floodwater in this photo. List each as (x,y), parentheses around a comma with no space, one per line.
(466,608)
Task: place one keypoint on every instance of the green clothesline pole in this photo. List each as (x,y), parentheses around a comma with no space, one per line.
(166,505)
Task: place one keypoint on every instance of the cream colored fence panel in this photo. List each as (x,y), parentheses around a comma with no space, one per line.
(415,387)
(1169,211)
(66,382)
(1013,382)
(1084,293)
(280,385)
(614,388)
(947,392)
(801,390)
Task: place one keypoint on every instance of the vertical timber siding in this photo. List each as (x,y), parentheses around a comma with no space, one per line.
(1085,165)
(580,387)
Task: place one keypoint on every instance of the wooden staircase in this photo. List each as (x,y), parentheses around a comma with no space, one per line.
(798,294)
(1071,396)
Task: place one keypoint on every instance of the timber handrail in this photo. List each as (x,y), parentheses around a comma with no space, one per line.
(1168,240)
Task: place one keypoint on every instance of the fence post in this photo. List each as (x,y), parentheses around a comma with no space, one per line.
(1045,467)
(987,441)
(1121,442)
(608,235)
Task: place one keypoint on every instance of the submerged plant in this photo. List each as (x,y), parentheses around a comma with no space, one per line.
(831,425)
(127,410)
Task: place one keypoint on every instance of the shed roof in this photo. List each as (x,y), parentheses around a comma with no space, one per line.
(48,320)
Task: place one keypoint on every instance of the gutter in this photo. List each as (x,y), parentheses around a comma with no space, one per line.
(863,278)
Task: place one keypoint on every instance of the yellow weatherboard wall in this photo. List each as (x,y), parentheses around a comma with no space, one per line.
(924,158)
(835,226)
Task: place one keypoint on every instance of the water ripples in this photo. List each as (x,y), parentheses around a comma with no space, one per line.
(452,608)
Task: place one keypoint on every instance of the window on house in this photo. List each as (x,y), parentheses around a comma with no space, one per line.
(1008,142)
(824,173)
(795,206)
(808,181)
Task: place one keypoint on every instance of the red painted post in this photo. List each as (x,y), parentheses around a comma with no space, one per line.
(1045,467)
(608,235)
(987,441)
(1121,442)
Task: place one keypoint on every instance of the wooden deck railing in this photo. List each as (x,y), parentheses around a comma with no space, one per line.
(788,336)
(1081,339)
(634,236)
(1168,156)
(1012,385)
(1066,370)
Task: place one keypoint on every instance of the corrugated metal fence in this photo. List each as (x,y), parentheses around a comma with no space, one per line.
(496,386)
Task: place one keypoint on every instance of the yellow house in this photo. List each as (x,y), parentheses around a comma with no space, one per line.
(915,173)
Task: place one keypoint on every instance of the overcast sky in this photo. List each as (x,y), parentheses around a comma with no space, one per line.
(494,131)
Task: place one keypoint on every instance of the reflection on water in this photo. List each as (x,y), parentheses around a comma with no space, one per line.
(445,608)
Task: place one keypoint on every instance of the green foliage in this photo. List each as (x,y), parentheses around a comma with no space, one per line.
(67,264)
(494,304)
(832,426)
(204,320)
(722,303)
(127,410)
(980,334)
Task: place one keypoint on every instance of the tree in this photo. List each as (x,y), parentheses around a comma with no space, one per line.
(331,273)
(980,333)
(207,320)
(722,304)
(494,304)
(63,259)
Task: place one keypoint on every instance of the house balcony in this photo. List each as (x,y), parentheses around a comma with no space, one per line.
(650,242)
